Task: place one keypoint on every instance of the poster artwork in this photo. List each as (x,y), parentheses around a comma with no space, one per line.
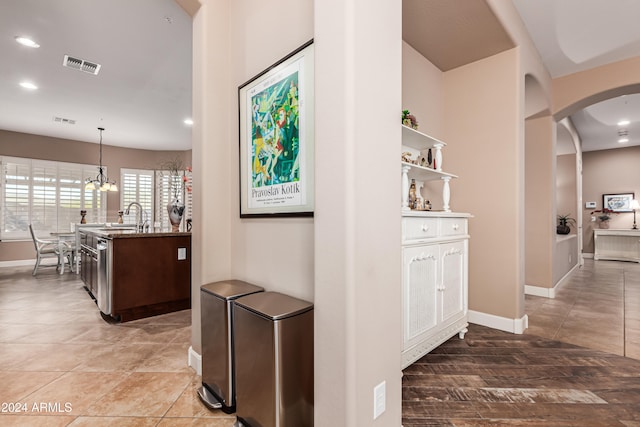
(276,126)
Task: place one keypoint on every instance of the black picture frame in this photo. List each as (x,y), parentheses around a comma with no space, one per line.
(620,202)
(276,138)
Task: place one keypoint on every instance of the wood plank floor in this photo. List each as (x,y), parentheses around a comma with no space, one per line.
(498,378)
(541,378)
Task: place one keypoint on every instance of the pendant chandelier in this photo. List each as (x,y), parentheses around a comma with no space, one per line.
(100,182)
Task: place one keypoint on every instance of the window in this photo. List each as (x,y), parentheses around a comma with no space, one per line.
(153,190)
(169,187)
(137,186)
(49,195)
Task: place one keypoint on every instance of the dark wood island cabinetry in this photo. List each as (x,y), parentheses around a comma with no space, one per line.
(138,274)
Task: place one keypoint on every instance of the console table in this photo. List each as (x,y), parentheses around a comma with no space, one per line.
(617,245)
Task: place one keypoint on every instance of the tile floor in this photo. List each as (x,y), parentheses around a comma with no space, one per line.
(65,366)
(598,308)
(61,364)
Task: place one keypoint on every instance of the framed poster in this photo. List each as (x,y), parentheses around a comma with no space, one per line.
(277,138)
(617,202)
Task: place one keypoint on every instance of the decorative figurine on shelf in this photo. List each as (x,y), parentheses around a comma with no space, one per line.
(409,119)
(412,194)
(406,157)
(429,157)
(83,214)
(120,220)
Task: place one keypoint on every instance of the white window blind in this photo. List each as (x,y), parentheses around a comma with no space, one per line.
(137,186)
(171,186)
(49,195)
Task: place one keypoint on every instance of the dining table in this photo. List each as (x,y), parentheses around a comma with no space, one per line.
(66,241)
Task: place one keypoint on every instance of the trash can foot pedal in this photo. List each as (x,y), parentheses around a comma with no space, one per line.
(208,399)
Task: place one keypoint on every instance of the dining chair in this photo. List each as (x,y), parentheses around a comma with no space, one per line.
(49,249)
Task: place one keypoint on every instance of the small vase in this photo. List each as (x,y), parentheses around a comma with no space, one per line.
(175,210)
(83,214)
(604,224)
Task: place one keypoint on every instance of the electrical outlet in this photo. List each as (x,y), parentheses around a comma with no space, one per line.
(182,254)
(379,399)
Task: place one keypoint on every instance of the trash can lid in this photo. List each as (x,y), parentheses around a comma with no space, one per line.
(230,289)
(274,305)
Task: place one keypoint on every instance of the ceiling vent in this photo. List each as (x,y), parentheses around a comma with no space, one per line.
(81,65)
(64,121)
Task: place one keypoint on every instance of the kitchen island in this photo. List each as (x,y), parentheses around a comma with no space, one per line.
(132,275)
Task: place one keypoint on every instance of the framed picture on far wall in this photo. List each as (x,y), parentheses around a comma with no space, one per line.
(276,138)
(618,202)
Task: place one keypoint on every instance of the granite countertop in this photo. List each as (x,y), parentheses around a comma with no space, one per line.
(117,233)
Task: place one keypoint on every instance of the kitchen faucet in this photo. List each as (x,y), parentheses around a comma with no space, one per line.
(139,211)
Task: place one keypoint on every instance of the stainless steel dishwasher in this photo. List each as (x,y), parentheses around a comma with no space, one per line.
(104,280)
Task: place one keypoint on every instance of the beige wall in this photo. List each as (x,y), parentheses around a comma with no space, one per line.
(539,201)
(357,225)
(566,187)
(423,91)
(114,158)
(485,137)
(565,256)
(276,253)
(350,273)
(576,91)
(423,96)
(608,172)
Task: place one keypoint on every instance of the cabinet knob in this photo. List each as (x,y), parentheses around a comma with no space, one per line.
(425,227)
(456,226)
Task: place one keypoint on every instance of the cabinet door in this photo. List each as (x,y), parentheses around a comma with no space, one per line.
(454,280)
(420,288)
(83,266)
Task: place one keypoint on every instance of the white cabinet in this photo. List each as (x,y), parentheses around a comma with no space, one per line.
(434,281)
(617,245)
(435,259)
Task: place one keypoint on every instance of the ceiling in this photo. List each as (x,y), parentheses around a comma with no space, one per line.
(142,92)
(577,35)
(571,36)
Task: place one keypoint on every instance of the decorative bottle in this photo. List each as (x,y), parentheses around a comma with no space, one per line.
(412,194)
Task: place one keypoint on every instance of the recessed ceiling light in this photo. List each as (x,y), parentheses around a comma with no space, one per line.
(28,85)
(26,41)
(623,140)
(623,122)
(188,122)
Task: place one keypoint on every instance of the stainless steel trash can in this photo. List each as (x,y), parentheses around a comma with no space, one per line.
(218,362)
(274,361)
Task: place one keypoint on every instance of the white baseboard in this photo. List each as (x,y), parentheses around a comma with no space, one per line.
(18,263)
(539,291)
(195,360)
(515,326)
(548,292)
